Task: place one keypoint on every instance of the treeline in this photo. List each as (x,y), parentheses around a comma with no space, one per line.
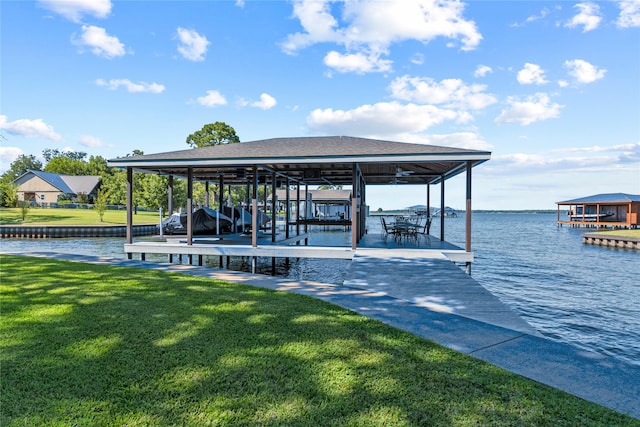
(150,191)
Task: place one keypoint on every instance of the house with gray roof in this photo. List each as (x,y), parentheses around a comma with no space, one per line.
(46,188)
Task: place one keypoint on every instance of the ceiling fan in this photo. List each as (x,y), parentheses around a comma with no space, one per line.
(396,180)
(400,172)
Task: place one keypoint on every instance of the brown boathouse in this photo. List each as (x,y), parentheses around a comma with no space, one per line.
(617,210)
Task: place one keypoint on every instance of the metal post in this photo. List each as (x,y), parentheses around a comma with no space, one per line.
(254,217)
(129,232)
(442,208)
(468,215)
(297,211)
(189,206)
(354,206)
(274,186)
(170,195)
(287,210)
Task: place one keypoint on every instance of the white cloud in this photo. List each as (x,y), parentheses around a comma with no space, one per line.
(482,70)
(584,72)
(75,9)
(7,156)
(357,62)
(193,46)
(369,28)
(628,152)
(266,102)
(532,109)
(384,118)
(114,84)
(619,157)
(531,74)
(629,14)
(90,141)
(448,92)
(589,17)
(211,99)
(29,128)
(417,59)
(99,42)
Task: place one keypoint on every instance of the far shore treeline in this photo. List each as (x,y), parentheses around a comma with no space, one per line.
(149,191)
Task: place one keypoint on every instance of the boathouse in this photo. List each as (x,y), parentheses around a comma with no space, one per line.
(615,210)
(297,163)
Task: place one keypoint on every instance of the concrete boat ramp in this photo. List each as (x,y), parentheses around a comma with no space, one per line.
(427,278)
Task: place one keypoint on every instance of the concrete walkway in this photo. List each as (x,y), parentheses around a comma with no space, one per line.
(597,378)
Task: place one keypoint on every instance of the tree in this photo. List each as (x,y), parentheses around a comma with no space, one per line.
(67,166)
(101,204)
(97,165)
(24,208)
(8,194)
(213,134)
(51,153)
(21,165)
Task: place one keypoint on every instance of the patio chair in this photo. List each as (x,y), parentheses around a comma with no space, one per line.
(424,230)
(387,229)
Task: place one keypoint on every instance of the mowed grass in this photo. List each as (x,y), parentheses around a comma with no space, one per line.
(63,216)
(619,233)
(96,345)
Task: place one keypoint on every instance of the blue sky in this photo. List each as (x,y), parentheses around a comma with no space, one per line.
(552,89)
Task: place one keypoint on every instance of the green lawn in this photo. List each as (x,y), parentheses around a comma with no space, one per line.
(621,233)
(61,216)
(96,345)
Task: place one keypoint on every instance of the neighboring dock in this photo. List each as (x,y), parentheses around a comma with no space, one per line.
(613,240)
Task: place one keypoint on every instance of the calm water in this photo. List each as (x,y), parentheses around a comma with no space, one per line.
(584,295)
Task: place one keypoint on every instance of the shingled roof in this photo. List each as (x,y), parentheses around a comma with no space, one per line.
(605,198)
(82,184)
(315,160)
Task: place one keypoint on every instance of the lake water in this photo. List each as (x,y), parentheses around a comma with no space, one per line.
(585,295)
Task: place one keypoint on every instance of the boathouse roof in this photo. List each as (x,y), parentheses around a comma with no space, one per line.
(605,198)
(317,160)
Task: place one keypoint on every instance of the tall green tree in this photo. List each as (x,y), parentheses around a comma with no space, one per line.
(8,194)
(51,153)
(67,166)
(21,165)
(213,134)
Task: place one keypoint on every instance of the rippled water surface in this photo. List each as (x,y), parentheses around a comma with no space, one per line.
(585,295)
(571,292)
